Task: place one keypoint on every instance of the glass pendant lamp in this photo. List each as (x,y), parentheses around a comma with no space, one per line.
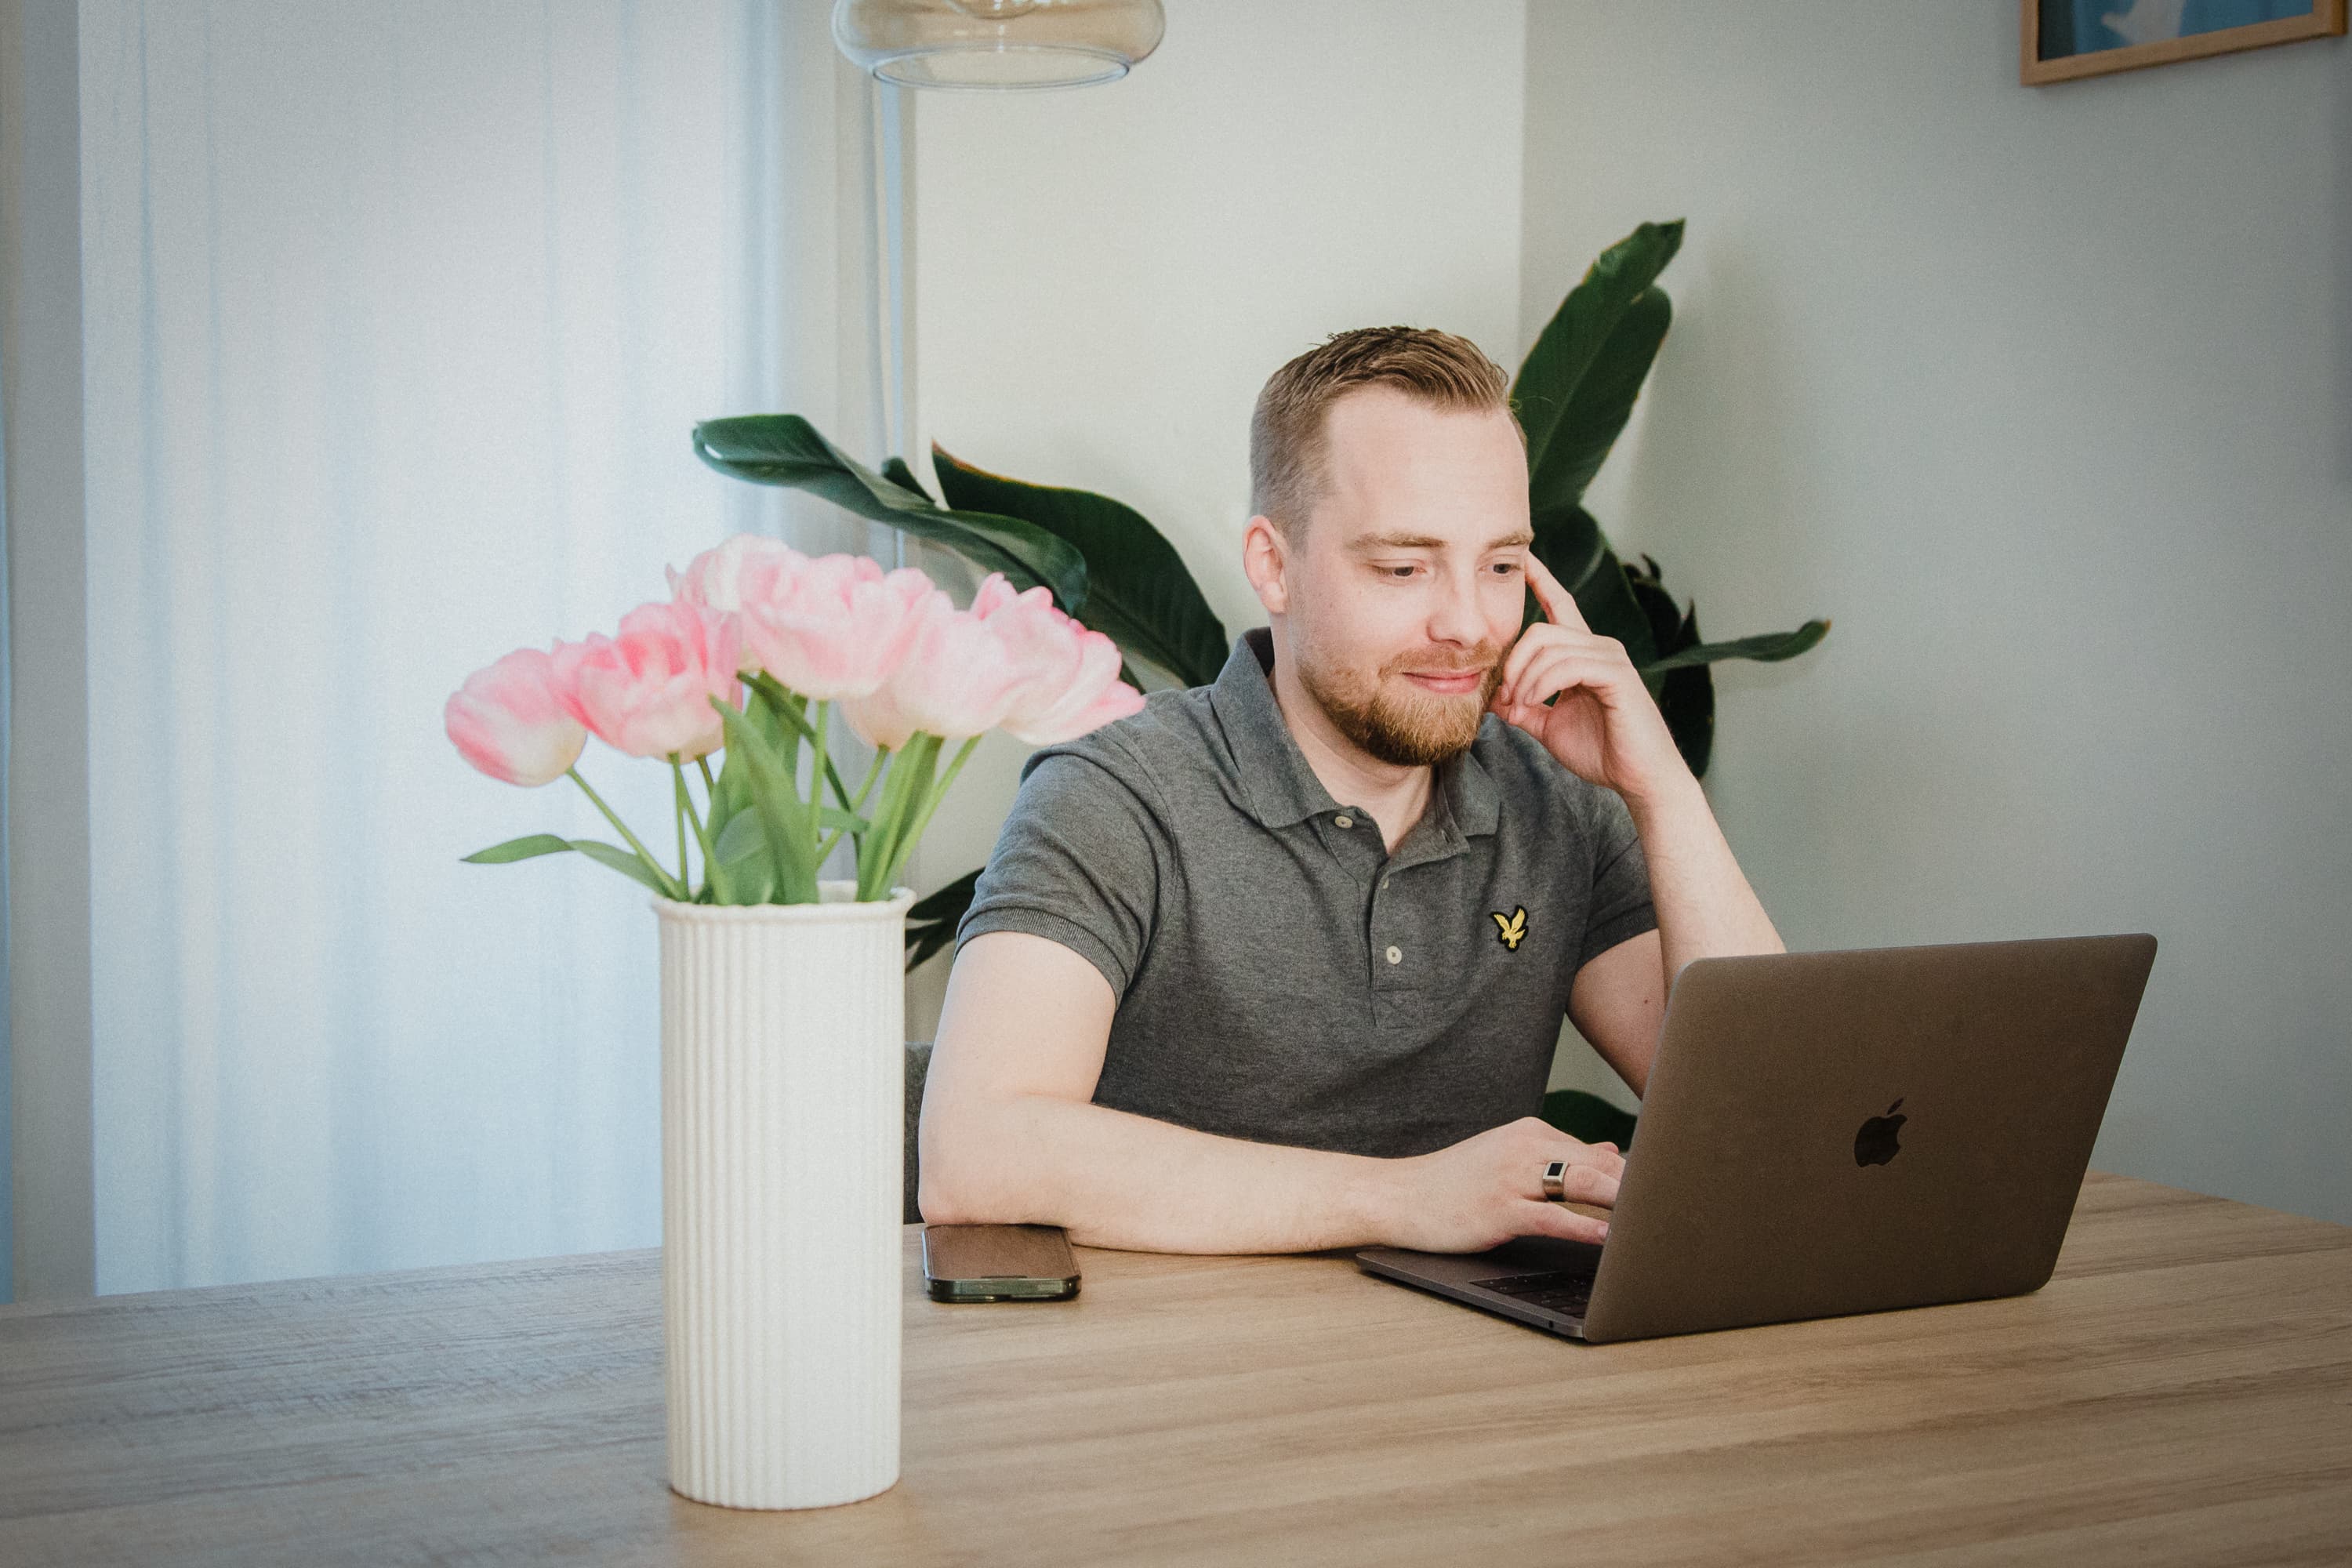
(998,44)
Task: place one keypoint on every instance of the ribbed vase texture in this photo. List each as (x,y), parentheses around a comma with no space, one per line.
(783,1057)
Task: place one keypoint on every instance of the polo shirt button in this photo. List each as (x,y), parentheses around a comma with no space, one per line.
(1396,955)
(1343,820)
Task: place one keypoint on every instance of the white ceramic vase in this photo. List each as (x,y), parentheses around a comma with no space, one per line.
(784,1062)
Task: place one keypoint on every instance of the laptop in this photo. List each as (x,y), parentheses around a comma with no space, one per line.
(1836,1133)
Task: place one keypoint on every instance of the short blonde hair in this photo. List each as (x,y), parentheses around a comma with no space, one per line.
(1289,431)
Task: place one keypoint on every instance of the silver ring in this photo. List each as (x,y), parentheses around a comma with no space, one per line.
(1552,1184)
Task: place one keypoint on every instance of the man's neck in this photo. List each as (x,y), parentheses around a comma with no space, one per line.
(1396,794)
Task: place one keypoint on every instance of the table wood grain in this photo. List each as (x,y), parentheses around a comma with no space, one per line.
(2181,1392)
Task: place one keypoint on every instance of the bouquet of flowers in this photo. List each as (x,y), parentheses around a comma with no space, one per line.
(748,657)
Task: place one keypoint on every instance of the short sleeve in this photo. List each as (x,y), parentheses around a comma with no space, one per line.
(1078,862)
(1620,907)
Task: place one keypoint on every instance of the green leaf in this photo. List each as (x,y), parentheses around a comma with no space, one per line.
(932,920)
(831,818)
(786,449)
(775,802)
(1686,702)
(1588,1117)
(1576,389)
(948,903)
(741,839)
(894,470)
(522,848)
(1686,695)
(1605,599)
(730,796)
(624,861)
(1769,647)
(1139,590)
(1658,607)
(1569,542)
(743,850)
(1602,402)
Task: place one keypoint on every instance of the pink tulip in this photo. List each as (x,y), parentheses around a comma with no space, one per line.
(832,627)
(1070,680)
(714,578)
(957,679)
(647,691)
(510,720)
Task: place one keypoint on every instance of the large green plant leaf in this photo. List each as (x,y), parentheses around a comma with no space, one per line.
(786,449)
(932,920)
(1588,1117)
(1571,546)
(1139,592)
(1686,694)
(1576,389)
(1769,647)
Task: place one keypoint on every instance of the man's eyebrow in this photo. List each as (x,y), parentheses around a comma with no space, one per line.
(1430,542)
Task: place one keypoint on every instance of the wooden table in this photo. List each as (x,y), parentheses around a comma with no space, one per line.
(2181,1392)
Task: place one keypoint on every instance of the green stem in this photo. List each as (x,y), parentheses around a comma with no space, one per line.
(881,756)
(669,888)
(875,857)
(816,790)
(710,785)
(784,703)
(714,875)
(685,867)
(907,841)
(858,840)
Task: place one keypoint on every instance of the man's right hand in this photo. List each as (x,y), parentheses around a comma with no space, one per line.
(1484,1191)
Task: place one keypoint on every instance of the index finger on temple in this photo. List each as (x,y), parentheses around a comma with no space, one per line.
(1559,604)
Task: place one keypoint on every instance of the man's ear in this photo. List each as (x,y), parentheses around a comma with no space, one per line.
(1264,559)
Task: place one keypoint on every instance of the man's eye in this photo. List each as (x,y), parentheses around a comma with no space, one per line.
(1399,572)
(1506,567)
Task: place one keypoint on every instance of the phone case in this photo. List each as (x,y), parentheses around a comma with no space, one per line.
(999,1263)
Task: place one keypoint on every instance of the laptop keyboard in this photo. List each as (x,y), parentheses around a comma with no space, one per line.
(1566,1290)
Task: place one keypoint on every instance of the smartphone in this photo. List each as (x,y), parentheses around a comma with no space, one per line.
(999,1263)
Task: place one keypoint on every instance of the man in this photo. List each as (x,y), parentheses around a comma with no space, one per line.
(1278,963)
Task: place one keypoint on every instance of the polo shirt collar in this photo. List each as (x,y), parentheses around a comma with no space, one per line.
(1281,788)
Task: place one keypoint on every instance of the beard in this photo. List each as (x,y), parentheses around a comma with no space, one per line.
(1396,722)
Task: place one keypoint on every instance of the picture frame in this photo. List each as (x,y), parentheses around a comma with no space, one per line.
(2061,40)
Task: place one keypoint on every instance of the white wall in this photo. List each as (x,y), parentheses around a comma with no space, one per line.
(2046,395)
(1105,278)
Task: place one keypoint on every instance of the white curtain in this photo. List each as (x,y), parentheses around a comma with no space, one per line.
(397,320)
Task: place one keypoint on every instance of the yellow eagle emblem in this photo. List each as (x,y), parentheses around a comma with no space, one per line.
(1511,928)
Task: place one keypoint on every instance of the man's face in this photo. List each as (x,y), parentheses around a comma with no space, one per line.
(1408,586)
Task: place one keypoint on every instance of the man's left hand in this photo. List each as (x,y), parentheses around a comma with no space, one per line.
(1604,728)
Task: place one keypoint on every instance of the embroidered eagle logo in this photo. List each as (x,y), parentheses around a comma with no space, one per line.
(1511,928)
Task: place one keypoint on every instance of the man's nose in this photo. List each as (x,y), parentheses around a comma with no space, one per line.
(1456,616)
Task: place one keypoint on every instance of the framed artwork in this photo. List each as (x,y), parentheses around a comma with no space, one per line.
(2067,39)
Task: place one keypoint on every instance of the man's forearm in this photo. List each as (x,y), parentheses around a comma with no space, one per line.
(1705,908)
(1114,1179)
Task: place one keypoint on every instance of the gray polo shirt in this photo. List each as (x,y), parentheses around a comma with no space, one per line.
(1281,977)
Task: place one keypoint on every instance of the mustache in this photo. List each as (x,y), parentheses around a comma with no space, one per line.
(1476,666)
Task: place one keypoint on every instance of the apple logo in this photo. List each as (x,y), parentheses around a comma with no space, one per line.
(1875,1143)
